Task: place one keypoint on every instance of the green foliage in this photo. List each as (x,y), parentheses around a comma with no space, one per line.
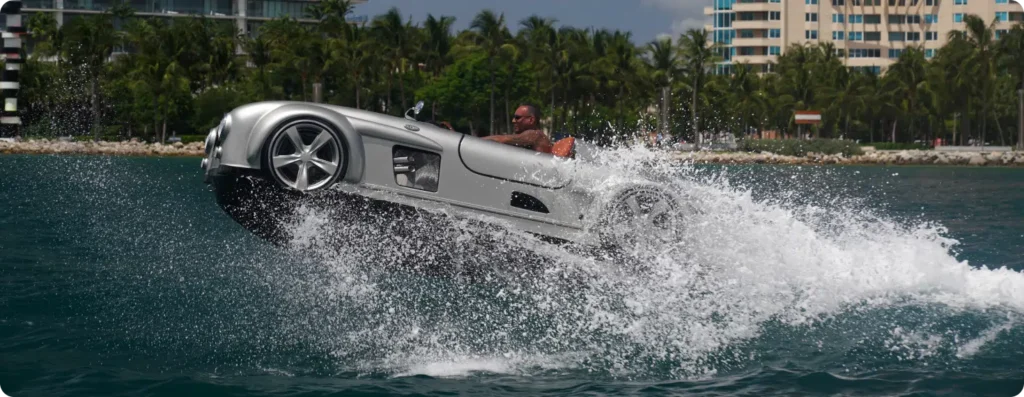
(211,105)
(800,147)
(183,74)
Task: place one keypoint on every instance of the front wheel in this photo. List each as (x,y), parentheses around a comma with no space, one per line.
(305,155)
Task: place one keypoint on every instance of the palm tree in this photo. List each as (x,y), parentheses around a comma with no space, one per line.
(91,42)
(699,55)
(622,56)
(982,59)
(746,98)
(906,81)
(1011,58)
(491,36)
(438,45)
(663,61)
(258,50)
(534,35)
(396,37)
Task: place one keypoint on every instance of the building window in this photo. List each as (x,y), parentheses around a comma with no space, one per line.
(855,2)
(838,2)
(811,34)
(931,2)
(929,53)
(960,2)
(1002,1)
(774,15)
(837,35)
(811,2)
(873,19)
(931,18)
(865,53)
(837,18)
(895,53)
(1002,16)
(913,36)
(900,19)
(897,36)
(1000,33)
(856,18)
(856,36)
(774,33)
(958,17)
(931,36)
(811,17)
(774,50)
(872,36)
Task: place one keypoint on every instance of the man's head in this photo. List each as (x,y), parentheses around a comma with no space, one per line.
(526,117)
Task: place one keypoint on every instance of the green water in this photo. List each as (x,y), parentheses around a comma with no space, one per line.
(120,276)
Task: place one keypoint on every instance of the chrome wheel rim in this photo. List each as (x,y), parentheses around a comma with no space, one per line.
(642,215)
(306,156)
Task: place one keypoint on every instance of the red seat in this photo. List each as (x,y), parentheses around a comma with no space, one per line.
(564,147)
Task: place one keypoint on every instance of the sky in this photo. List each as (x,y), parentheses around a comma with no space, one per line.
(646,19)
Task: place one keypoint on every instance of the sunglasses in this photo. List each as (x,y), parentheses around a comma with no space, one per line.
(516,117)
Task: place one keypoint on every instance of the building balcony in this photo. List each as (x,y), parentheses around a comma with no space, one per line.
(755,24)
(1010,7)
(708,11)
(761,6)
(861,62)
(753,59)
(39,4)
(756,42)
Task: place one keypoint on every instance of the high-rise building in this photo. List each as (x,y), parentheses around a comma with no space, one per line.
(869,34)
(247,14)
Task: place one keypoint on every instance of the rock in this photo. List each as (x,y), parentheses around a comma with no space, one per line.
(977,159)
(178,145)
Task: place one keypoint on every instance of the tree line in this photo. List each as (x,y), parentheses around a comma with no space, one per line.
(180,75)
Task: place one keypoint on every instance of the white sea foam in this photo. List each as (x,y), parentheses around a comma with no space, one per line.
(739,264)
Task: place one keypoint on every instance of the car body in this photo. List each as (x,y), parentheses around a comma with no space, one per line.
(262,151)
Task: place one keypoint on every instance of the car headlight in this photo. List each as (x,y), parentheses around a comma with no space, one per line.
(225,128)
(211,141)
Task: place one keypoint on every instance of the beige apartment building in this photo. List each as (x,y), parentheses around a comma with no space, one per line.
(868,34)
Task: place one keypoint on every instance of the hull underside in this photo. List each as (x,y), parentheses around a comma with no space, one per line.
(356,223)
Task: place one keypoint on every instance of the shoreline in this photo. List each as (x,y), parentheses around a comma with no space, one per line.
(875,157)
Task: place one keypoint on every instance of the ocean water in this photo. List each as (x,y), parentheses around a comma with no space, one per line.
(120,276)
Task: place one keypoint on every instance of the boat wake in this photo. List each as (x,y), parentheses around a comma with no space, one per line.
(748,279)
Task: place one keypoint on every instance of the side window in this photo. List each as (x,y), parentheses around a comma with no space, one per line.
(416,169)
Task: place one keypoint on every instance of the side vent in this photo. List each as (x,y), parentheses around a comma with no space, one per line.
(416,169)
(528,202)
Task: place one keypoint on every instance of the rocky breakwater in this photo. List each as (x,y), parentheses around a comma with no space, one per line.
(904,157)
(125,148)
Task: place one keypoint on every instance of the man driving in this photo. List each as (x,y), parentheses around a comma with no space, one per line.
(526,123)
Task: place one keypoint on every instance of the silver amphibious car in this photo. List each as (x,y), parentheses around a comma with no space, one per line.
(264,155)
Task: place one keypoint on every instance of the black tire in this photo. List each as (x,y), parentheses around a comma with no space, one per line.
(318,177)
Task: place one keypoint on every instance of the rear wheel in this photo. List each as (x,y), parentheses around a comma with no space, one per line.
(639,217)
(305,155)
